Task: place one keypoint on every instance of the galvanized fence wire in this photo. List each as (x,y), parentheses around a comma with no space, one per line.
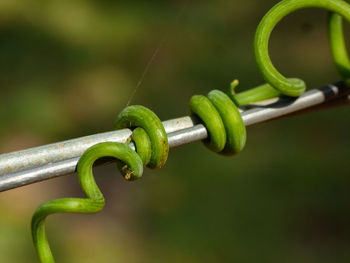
(57,159)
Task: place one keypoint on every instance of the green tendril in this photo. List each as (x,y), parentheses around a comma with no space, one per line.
(218,112)
(293,86)
(262,92)
(151,148)
(338,47)
(142,144)
(226,130)
(139,116)
(95,201)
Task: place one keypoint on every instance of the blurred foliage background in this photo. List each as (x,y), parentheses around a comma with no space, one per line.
(68,67)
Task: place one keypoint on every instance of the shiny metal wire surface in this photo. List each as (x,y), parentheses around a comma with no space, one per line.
(52,160)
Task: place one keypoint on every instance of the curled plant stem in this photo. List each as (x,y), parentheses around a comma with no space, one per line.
(227,133)
(151,146)
(262,92)
(338,47)
(218,112)
(275,80)
(94,201)
(140,116)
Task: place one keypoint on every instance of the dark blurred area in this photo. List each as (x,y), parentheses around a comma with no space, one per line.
(67,68)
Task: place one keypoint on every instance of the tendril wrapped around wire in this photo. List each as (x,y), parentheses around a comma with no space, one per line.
(226,130)
(151,150)
(218,111)
(227,135)
(277,84)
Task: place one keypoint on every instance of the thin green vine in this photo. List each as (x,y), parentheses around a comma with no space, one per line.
(151,149)
(277,84)
(338,47)
(218,112)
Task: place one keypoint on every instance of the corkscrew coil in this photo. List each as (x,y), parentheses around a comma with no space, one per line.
(151,149)
(277,84)
(227,136)
(227,133)
(218,112)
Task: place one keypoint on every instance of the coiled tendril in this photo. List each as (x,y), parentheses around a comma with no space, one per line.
(152,150)
(218,112)
(277,84)
(336,39)
(227,133)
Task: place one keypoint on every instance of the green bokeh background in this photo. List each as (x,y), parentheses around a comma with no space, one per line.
(68,67)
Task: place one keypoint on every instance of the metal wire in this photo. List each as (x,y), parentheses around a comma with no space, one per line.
(48,161)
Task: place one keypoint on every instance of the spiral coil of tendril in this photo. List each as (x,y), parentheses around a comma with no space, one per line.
(151,149)
(277,84)
(227,133)
(218,111)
